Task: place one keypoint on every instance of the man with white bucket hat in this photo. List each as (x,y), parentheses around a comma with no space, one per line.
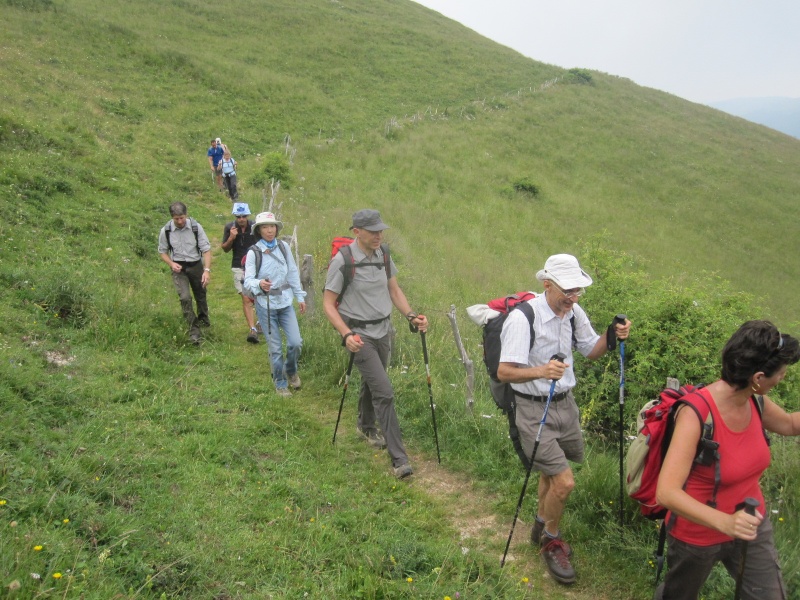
(560,326)
(272,277)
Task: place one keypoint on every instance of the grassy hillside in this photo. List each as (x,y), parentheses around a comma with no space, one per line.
(145,468)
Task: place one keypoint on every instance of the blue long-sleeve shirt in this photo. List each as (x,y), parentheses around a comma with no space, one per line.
(282,272)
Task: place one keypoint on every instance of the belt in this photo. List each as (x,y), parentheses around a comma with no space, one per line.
(187,263)
(277,291)
(556,397)
(356,323)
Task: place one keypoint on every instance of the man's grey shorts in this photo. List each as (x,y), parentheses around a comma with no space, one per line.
(238,279)
(561,435)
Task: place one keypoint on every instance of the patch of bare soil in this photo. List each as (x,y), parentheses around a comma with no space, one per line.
(483,531)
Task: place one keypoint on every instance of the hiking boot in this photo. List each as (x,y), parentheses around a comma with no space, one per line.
(556,557)
(374,439)
(204,322)
(403,471)
(294,381)
(538,537)
(252,337)
(283,392)
(196,339)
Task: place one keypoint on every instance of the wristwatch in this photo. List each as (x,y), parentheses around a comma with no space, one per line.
(207,270)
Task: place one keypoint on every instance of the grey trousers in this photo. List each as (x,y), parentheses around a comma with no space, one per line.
(689,567)
(376,398)
(188,282)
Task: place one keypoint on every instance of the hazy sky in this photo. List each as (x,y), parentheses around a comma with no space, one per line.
(701,50)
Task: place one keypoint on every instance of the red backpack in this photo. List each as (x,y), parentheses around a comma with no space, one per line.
(655,424)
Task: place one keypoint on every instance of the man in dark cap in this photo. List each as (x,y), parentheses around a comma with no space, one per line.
(360,290)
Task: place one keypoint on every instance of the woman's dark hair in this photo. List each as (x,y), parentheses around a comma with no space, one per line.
(757,346)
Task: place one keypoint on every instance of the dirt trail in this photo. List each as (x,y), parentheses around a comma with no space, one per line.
(486,532)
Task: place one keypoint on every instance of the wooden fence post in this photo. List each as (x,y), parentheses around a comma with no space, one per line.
(465,360)
(307,281)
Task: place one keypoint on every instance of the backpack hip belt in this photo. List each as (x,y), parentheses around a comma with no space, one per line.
(357,323)
(277,291)
(556,397)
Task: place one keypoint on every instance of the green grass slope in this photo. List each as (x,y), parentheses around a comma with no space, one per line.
(140,467)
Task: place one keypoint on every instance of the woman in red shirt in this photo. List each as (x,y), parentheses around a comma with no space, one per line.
(754,361)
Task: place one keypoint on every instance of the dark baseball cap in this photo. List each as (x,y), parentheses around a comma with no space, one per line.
(368,219)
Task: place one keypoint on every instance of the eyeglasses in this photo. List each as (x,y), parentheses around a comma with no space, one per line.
(576,293)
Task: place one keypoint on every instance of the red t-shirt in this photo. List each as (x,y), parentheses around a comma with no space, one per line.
(744,456)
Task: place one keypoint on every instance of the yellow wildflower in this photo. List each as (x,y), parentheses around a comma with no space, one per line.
(56,575)
(37,548)
(410,579)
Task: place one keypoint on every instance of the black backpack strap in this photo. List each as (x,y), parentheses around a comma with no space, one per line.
(386,260)
(167,231)
(511,413)
(759,402)
(574,339)
(348,270)
(196,236)
(257,256)
(527,310)
(283,251)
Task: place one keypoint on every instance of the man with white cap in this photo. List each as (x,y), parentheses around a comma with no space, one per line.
(359,308)
(272,277)
(237,236)
(560,326)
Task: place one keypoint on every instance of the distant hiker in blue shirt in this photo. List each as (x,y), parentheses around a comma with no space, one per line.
(184,246)
(215,153)
(272,276)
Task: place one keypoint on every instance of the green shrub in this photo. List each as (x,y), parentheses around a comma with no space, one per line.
(277,167)
(679,330)
(581,76)
(525,186)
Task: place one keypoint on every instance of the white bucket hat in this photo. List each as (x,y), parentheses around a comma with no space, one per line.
(565,271)
(266,218)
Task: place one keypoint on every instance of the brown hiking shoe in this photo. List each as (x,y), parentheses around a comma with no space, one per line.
(538,537)
(556,557)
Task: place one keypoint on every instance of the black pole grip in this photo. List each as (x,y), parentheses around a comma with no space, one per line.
(559,356)
(611,332)
(750,506)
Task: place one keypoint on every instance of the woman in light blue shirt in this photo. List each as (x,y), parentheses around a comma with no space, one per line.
(272,277)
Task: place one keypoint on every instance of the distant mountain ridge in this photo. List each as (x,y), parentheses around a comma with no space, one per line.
(781,114)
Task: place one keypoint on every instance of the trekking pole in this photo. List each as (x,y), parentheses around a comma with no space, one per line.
(750,505)
(430,392)
(344,392)
(620,319)
(269,317)
(560,358)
